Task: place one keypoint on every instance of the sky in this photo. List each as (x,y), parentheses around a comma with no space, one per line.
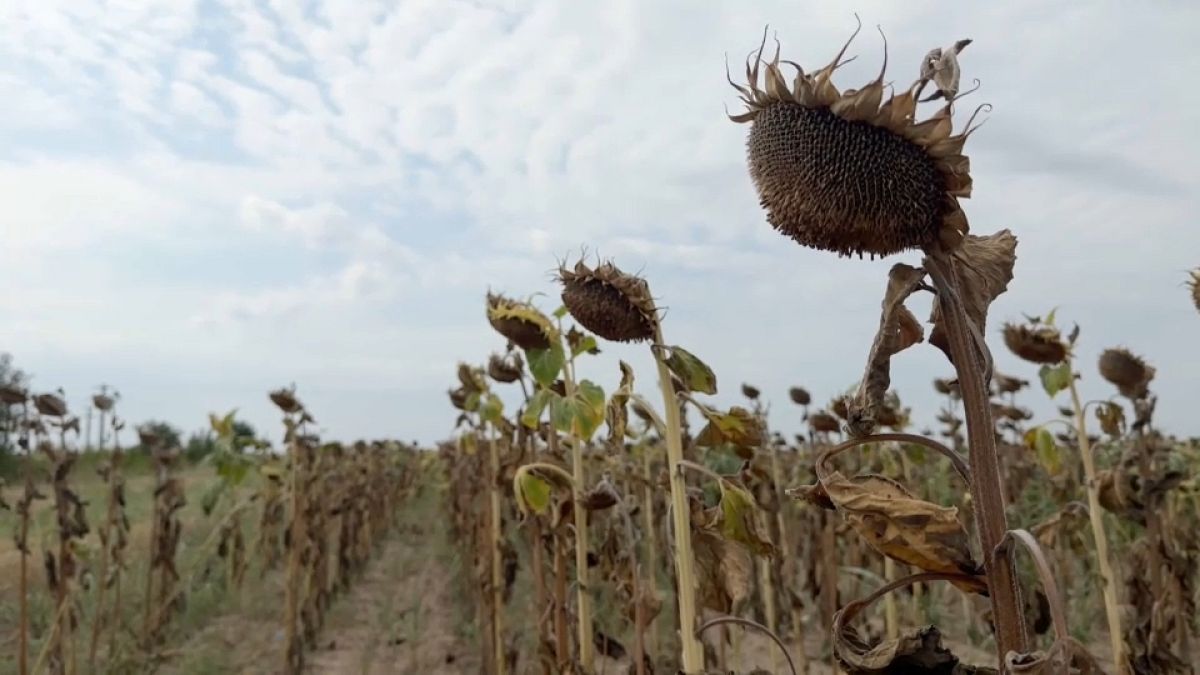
(201,201)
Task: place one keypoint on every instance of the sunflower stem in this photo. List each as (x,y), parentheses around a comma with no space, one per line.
(693,651)
(987,495)
(497,563)
(587,650)
(1096,516)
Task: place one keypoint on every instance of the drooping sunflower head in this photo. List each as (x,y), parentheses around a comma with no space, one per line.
(520,322)
(800,396)
(1036,343)
(608,302)
(850,172)
(1127,371)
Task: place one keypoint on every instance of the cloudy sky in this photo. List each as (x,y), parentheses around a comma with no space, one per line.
(203,200)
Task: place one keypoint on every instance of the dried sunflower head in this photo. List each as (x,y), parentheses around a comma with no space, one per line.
(822,421)
(520,322)
(614,305)
(11,394)
(50,404)
(103,402)
(849,172)
(286,400)
(800,396)
(1128,372)
(1036,344)
(750,391)
(504,370)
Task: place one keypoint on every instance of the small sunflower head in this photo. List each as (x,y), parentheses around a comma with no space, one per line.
(52,405)
(823,422)
(505,370)
(751,392)
(800,396)
(852,173)
(608,302)
(12,394)
(1036,344)
(1128,372)
(520,322)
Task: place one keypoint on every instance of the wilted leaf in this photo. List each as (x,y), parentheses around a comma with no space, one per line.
(903,527)
(616,415)
(1055,378)
(208,501)
(546,364)
(589,408)
(898,330)
(691,371)
(920,651)
(739,519)
(984,266)
(1112,418)
(724,570)
(739,427)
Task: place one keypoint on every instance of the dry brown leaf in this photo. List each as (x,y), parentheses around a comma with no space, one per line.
(1064,656)
(984,266)
(920,651)
(905,528)
(723,571)
(898,330)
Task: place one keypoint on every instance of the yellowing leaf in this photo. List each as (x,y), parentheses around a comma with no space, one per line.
(1042,442)
(738,427)
(532,414)
(616,415)
(691,371)
(532,493)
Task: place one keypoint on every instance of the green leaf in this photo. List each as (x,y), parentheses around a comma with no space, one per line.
(492,409)
(1042,442)
(472,402)
(533,493)
(560,312)
(1055,378)
(546,364)
(589,408)
(562,413)
(532,415)
(694,373)
(739,518)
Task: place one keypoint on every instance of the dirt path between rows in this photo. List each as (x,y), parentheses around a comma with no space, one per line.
(400,616)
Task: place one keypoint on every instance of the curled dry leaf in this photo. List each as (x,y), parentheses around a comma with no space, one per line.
(1112,418)
(919,651)
(984,266)
(616,415)
(899,525)
(1064,656)
(898,330)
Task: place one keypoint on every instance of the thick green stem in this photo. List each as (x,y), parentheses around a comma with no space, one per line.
(1096,516)
(693,651)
